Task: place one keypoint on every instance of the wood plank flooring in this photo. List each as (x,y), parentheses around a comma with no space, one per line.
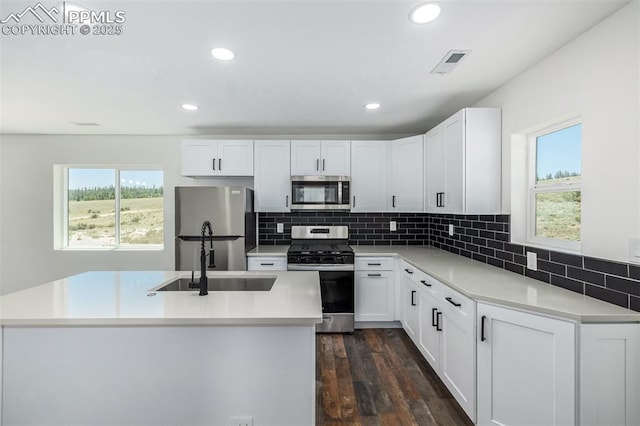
(378,377)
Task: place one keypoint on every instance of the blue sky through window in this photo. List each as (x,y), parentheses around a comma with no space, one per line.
(559,151)
(100,178)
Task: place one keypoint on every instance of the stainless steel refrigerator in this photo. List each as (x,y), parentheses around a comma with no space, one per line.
(230,211)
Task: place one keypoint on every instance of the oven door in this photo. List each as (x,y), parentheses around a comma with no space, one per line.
(337,288)
(320,192)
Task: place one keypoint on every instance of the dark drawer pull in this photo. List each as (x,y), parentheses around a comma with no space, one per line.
(448,299)
(438,316)
(413,302)
(482,336)
(433,317)
(374,275)
(408,271)
(266,264)
(425,283)
(374,264)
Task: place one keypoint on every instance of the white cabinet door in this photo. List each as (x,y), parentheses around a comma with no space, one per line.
(369,176)
(328,158)
(411,299)
(434,168)
(407,174)
(266,263)
(374,296)
(609,374)
(526,368)
(199,157)
(305,158)
(235,158)
(430,329)
(454,140)
(272,182)
(335,159)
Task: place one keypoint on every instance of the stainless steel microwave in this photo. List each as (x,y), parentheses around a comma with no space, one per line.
(320,193)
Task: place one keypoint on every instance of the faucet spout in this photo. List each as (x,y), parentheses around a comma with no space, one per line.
(206,226)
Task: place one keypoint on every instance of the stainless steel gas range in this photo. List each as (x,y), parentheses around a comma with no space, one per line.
(325,249)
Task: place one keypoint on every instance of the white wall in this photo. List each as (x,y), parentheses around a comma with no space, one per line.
(596,76)
(26,182)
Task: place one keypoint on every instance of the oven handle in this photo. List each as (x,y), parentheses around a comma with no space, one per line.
(320,267)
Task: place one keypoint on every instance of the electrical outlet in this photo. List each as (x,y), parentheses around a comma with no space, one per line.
(279,228)
(450,230)
(392,225)
(532,261)
(242,421)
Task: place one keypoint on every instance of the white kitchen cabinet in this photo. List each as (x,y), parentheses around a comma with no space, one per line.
(609,374)
(410,302)
(206,157)
(327,158)
(272,182)
(266,263)
(526,368)
(370,168)
(374,289)
(407,175)
(463,163)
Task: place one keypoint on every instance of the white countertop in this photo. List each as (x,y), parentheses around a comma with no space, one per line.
(486,283)
(114,298)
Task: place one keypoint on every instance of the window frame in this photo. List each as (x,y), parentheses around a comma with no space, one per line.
(534,188)
(61,205)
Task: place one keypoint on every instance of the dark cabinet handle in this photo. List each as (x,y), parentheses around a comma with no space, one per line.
(438,325)
(373,264)
(425,283)
(267,264)
(437,199)
(374,275)
(482,336)
(323,164)
(354,201)
(408,271)
(286,201)
(448,299)
(393,201)
(317,164)
(433,317)
(214,164)
(413,302)
(219,163)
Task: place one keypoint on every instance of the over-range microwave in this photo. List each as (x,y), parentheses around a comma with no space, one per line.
(320,193)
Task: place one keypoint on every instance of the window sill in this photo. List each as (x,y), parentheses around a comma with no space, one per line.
(549,247)
(105,249)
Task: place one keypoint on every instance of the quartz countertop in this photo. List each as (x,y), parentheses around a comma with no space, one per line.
(269,251)
(117,298)
(486,283)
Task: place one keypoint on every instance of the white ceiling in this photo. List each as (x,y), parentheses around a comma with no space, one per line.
(301,67)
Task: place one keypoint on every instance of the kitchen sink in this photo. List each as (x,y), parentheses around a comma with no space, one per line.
(260,283)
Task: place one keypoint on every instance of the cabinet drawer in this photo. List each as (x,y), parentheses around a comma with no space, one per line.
(460,308)
(267,264)
(374,263)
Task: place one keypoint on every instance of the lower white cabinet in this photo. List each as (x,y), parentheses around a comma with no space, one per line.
(374,289)
(411,308)
(609,374)
(267,263)
(526,368)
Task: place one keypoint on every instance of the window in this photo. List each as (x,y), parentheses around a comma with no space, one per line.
(112,208)
(555,194)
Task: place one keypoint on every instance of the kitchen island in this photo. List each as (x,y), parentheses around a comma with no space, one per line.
(103,348)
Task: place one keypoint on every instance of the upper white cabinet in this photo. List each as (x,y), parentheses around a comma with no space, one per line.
(328,158)
(463,163)
(272,180)
(406,192)
(526,368)
(206,157)
(369,176)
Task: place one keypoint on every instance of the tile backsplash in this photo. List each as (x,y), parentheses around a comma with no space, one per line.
(484,238)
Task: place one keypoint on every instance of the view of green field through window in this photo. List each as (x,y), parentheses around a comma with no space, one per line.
(92,215)
(558,171)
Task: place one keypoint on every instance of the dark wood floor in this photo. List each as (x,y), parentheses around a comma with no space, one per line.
(378,377)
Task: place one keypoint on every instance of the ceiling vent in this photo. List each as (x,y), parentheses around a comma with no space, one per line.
(450,61)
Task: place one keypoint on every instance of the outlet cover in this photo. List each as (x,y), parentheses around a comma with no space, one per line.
(279,228)
(242,421)
(450,230)
(392,225)
(532,260)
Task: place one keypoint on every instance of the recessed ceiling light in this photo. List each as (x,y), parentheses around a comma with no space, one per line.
(85,123)
(372,105)
(190,107)
(222,54)
(425,13)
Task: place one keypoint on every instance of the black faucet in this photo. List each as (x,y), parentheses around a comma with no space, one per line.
(203,258)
